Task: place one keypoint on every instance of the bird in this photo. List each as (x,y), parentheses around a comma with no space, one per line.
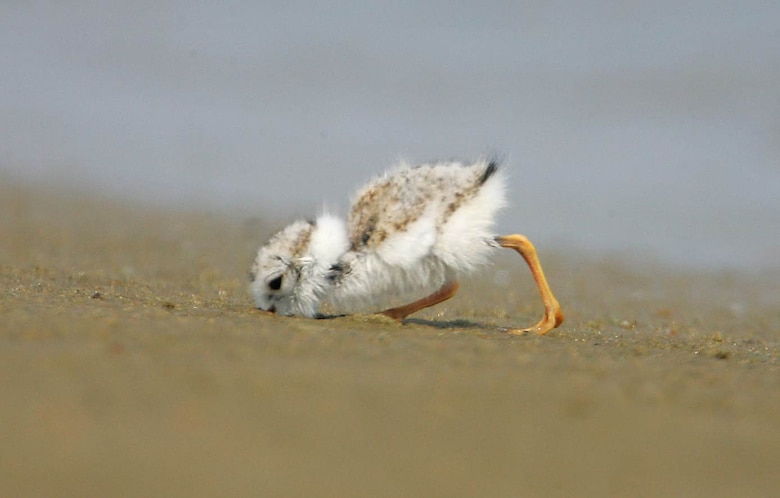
(411,233)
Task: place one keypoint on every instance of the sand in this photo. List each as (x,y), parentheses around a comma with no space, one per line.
(132,363)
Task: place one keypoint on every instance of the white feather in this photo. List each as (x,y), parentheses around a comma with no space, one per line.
(434,224)
(408,248)
(466,238)
(329,240)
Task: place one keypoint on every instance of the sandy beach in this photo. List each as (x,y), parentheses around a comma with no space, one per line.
(132,363)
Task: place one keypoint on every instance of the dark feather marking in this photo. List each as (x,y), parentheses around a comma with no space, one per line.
(492,167)
(337,271)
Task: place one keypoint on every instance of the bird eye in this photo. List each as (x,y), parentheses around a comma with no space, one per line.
(276,283)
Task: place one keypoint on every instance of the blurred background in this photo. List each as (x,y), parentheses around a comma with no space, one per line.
(644,129)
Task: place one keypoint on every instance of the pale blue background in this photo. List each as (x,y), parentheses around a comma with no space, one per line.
(643,128)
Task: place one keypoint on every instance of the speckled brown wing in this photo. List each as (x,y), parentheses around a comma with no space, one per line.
(392,202)
(384,208)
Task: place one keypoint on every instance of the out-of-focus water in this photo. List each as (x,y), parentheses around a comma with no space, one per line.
(651,130)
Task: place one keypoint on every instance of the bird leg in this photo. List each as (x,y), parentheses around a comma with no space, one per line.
(553,316)
(445,292)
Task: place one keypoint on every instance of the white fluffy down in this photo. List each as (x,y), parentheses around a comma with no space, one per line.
(437,247)
(413,263)
(465,239)
(329,241)
(406,249)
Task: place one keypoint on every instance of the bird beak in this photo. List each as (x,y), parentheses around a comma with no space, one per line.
(270,311)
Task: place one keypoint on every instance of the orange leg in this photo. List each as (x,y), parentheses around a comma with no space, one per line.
(447,291)
(553,316)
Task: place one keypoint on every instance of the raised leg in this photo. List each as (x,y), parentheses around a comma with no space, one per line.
(553,316)
(447,291)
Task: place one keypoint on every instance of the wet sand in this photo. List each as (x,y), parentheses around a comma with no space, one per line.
(133,364)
